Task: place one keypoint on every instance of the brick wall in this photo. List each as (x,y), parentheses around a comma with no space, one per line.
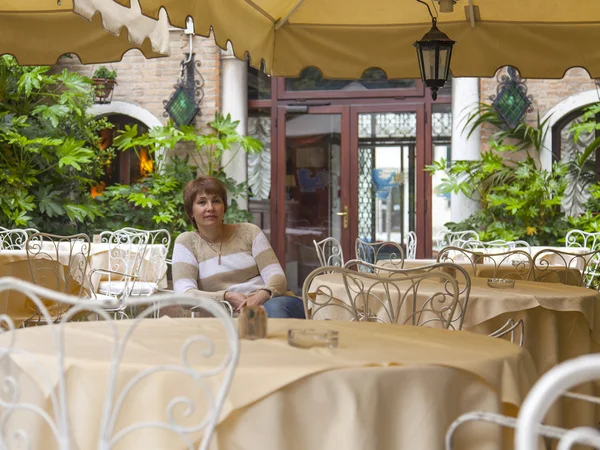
(148,82)
(546,94)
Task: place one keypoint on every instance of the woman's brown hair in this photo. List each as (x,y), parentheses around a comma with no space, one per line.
(203,184)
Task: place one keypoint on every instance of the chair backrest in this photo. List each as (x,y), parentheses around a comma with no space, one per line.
(126,250)
(452,238)
(457,272)
(546,391)
(512,264)
(329,252)
(591,241)
(59,263)
(497,245)
(214,350)
(154,264)
(12,239)
(419,299)
(388,251)
(559,266)
(411,245)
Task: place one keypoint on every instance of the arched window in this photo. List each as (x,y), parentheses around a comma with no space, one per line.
(564,146)
(128,166)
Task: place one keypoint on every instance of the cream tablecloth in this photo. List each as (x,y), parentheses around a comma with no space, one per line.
(561,322)
(386,387)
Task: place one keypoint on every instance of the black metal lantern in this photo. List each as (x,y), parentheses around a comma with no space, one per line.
(434,51)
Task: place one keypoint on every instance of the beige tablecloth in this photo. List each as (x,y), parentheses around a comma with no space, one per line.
(386,387)
(561,322)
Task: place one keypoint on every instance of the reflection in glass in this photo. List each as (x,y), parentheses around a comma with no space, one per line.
(259,169)
(386,191)
(312,190)
(311,80)
(441,130)
(259,85)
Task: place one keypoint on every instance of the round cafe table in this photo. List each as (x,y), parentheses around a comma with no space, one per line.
(385,387)
(560,321)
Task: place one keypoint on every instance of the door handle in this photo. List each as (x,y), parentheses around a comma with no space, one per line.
(345,215)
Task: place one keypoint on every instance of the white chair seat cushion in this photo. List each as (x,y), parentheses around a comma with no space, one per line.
(107,301)
(115,288)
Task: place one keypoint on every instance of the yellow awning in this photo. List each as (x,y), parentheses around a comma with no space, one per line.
(38,32)
(542,38)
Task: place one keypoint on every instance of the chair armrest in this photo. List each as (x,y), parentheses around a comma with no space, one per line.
(113,272)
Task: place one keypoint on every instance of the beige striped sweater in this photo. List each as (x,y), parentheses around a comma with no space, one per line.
(248,263)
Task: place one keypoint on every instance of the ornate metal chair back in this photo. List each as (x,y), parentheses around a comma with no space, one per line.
(390,252)
(583,239)
(419,299)
(512,264)
(154,260)
(126,250)
(329,252)
(12,239)
(559,266)
(453,238)
(411,245)
(209,378)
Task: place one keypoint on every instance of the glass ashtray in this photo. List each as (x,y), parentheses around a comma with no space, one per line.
(500,283)
(308,338)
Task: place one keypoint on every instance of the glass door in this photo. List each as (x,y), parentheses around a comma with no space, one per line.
(389,198)
(313,193)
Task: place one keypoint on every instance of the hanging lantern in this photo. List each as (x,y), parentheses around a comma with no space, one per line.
(434,51)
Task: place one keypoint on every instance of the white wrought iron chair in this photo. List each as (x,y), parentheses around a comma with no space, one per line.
(13,239)
(559,266)
(497,245)
(552,385)
(512,264)
(447,238)
(329,252)
(591,241)
(395,298)
(390,252)
(154,261)
(458,273)
(59,263)
(126,249)
(212,379)
(411,245)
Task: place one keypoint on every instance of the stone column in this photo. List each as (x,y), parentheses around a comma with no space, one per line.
(465,96)
(234,101)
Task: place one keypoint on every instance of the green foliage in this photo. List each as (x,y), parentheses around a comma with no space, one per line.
(49,154)
(155,201)
(105,72)
(518,199)
(207,155)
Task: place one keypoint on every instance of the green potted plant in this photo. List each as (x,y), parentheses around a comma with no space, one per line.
(104,81)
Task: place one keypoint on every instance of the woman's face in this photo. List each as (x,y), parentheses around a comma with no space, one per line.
(208,210)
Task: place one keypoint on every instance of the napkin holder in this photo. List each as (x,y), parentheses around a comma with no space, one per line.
(252,323)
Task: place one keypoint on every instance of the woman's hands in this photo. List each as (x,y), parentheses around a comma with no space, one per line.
(235,299)
(238,301)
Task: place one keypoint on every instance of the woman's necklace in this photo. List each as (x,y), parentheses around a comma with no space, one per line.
(213,249)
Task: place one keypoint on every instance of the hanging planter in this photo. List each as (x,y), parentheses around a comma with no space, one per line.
(104,81)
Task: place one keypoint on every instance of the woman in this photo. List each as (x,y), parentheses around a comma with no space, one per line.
(231,262)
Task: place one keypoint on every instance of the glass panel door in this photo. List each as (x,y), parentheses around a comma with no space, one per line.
(390,199)
(314,143)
